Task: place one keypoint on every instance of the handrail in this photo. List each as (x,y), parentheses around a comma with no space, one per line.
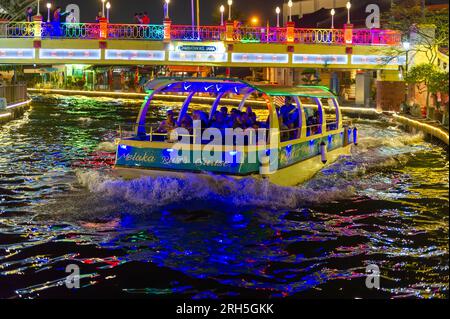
(157,32)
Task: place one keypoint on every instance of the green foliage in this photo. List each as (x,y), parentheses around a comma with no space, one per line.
(310,77)
(428,78)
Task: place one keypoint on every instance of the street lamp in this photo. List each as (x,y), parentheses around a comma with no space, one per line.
(49,5)
(222,10)
(290,10)
(108,6)
(333,12)
(230,3)
(278,10)
(166,6)
(38,8)
(254,20)
(103,8)
(348,6)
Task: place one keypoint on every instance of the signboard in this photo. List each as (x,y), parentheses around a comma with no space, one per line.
(202,52)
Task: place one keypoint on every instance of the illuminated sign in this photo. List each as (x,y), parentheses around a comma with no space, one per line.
(319,59)
(149,55)
(201,48)
(206,52)
(259,58)
(378,60)
(16,53)
(70,54)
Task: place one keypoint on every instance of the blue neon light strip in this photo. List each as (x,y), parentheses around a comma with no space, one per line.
(148,55)
(70,54)
(206,87)
(259,57)
(319,59)
(17,54)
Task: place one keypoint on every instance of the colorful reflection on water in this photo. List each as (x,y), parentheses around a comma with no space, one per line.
(387,205)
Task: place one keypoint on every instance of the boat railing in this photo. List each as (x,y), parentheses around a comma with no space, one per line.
(150,133)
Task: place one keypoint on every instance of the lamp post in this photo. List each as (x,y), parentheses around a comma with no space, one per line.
(222,10)
(103,8)
(333,12)
(406,45)
(192,14)
(38,13)
(277,11)
(166,6)
(348,6)
(290,4)
(230,3)
(108,6)
(49,5)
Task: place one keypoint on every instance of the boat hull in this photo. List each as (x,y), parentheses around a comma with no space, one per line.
(288,176)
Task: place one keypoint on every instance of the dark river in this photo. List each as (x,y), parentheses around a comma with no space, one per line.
(386,205)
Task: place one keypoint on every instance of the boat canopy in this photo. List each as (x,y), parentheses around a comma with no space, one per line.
(231,85)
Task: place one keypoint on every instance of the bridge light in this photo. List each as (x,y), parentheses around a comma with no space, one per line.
(277,11)
(333,12)
(222,10)
(290,4)
(348,6)
(49,5)
(254,20)
(108,6)
(230,3)
(166,7)
(406,45)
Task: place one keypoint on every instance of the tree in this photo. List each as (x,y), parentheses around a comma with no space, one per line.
(428,78)
(310,77)
(426,32)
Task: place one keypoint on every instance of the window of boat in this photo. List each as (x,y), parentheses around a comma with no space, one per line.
(331,114)
(313,115)
(289,119)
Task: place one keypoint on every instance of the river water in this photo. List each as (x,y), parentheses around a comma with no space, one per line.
(386,205)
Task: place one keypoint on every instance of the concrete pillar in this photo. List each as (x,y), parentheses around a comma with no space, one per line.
(103,28)
(390,91)
(167,25)
(229,31)
(290,32)
(363,84)
(348,33)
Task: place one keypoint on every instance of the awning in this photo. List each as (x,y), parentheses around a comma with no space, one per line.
(235,86)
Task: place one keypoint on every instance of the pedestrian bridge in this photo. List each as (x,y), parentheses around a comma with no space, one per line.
(222,46)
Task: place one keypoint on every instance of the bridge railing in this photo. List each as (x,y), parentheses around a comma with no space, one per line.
(202,33)
(319,36)
(260,34)
(136,32)
(194,33)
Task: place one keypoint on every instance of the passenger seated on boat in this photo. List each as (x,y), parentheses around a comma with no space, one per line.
(287,108)
(284,134)
(218,121)
(313,124)
(198,115)
(168,124)
(292,123)
(186,122)
(224,111)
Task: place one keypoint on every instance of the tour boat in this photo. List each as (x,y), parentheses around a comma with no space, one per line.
(287,143)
